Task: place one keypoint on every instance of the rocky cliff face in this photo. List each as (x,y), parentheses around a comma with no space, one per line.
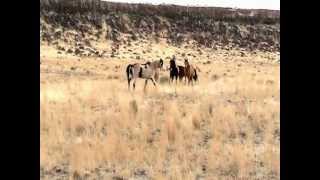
(120,23)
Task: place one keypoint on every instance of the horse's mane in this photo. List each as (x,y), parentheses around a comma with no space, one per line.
(186,61)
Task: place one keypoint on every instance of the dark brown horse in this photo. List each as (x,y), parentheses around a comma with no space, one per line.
(182,73)
(174,71)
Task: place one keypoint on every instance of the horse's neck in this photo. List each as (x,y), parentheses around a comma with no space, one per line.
(174,64)
(154,65)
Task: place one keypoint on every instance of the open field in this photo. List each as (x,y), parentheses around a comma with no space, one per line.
(226,126)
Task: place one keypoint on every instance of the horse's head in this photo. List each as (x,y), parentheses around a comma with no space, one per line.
(186,62)
(161,63)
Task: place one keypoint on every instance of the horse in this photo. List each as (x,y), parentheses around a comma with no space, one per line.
(190,72)
(179,71)
(147,71)
(174,71)
(182,73)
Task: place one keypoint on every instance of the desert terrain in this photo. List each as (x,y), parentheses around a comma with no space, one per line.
(226,126)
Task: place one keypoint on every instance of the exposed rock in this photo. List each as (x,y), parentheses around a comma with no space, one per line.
(85,28)
(77,51)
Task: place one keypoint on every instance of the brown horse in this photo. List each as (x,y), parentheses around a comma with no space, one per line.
(178,71)
(183,75)
(190,72)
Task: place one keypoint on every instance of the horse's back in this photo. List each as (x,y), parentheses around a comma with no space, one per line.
(181,70)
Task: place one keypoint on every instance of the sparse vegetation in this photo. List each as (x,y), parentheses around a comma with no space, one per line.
(209,27)
(91,127)
(94,127)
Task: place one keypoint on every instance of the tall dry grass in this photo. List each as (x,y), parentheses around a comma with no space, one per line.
(220,128)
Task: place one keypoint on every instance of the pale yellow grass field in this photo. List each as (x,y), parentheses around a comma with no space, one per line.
(226,126)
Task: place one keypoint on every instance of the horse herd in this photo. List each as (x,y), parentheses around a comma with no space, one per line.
(150,71)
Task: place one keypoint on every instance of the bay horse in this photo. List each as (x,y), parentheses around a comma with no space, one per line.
(176,71)
(147,71)
(190,72)
(182,73)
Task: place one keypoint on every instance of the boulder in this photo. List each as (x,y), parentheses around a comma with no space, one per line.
(69,51)
(61,48)
(57,34)
(77,51)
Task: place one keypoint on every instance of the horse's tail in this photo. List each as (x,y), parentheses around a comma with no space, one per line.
(129,73)
(195,75)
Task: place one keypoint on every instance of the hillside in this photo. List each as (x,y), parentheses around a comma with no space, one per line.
(77,25)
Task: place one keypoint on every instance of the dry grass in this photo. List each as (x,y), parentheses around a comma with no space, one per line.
(222,127)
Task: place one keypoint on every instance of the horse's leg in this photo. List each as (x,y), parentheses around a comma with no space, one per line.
(134,83)
(187,79)
(191,80)
(173,77)
(145,84)
(129,84)
(181,78)
(154,83)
